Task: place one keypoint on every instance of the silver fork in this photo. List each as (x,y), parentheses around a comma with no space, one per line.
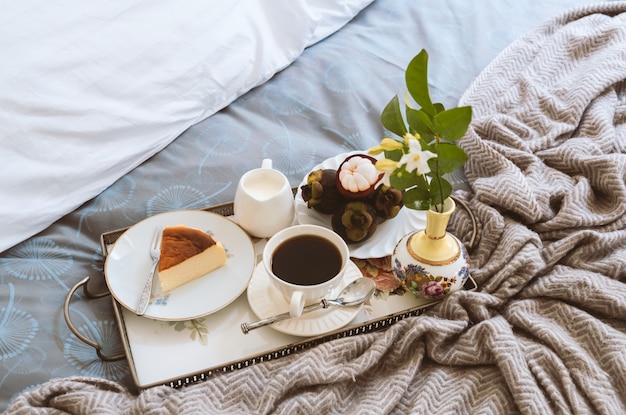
(155,253)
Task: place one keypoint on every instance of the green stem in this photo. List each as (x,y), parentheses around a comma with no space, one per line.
(438,206)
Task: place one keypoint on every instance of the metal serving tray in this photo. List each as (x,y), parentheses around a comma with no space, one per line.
(180,353)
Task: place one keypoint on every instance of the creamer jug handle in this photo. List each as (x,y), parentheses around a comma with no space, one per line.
(266,164)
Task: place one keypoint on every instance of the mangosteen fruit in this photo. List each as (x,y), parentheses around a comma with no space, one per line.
(355,221)
(387,201)
(357,176)
(320,191)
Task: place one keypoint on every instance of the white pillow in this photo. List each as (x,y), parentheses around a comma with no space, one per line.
(89,90)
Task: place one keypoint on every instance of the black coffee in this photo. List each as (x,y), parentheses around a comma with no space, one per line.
(306,260)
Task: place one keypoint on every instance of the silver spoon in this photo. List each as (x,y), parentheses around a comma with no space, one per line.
(355,293)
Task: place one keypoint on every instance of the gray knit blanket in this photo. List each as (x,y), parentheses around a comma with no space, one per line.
(546,331)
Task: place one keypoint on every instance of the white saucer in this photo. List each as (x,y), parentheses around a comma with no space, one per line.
(266,301)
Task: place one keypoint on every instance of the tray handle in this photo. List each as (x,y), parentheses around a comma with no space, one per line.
(466,207)
(73,329)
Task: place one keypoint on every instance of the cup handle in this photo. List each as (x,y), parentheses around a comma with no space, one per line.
(266,164)
(297,304)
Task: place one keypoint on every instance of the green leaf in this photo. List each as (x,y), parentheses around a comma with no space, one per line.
(402,179)
(440,190)
(449,158)
(391,117)
(417,82)
(427,145)
(419,122)
(416,198)
(394,155)
(453,123)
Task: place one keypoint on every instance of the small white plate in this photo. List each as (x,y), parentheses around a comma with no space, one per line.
(266,301)
(388,233)
(127,266)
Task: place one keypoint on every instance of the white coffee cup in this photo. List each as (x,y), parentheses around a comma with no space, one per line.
(264,202)
(298,292)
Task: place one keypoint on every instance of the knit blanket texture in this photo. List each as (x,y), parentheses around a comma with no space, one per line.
(546,330)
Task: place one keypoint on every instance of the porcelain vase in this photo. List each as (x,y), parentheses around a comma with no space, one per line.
(432,262)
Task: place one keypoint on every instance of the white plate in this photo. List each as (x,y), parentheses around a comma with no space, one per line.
(387,234)
(267,301)
(127,266)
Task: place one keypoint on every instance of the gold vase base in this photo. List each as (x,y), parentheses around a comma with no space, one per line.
(431,251)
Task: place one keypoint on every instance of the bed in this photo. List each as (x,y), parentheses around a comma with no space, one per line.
(114,113)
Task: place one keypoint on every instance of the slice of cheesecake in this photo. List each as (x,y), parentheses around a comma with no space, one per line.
(187,254)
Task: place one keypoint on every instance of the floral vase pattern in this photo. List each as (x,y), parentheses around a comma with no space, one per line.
(432,262)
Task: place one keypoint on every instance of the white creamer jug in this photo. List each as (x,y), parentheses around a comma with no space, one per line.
(264,201)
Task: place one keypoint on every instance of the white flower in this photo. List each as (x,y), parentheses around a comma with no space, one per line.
(416,159)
